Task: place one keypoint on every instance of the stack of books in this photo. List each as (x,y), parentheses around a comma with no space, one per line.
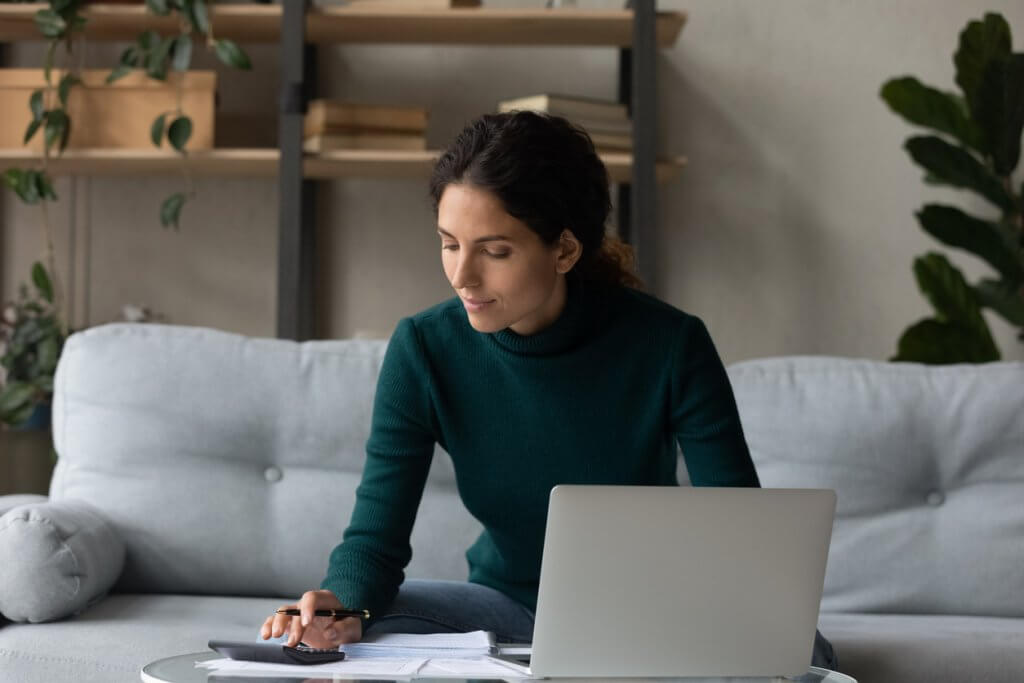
(331,125)
(606,121)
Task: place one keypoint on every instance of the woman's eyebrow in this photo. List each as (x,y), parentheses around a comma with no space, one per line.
(487,238)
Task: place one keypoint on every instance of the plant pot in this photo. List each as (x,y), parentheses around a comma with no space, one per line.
(26,455)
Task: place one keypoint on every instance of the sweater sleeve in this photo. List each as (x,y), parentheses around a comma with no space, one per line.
(366,569)
(704,416)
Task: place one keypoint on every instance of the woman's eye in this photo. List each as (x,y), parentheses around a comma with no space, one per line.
(451,247)
(501,254)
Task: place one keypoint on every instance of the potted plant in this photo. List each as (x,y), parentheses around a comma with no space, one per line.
(31,340)
(34,328)
(977,147)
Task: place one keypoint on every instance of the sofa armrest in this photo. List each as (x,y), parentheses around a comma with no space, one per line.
(58,558)
(13,500)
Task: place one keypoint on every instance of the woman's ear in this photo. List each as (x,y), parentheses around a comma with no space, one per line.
(569,251)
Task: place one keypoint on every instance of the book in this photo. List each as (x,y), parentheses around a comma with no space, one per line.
(362,140)
(324,115)
(569,107)
(605,127)
(611,142)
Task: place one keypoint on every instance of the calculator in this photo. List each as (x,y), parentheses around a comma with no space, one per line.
(276,653)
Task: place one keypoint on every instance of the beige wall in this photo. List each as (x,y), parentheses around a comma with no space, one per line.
(791,231)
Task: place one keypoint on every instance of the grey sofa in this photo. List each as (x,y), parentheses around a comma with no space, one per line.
(204,477)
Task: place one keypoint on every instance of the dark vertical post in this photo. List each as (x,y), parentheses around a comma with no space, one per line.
(297,201)
(625,97)
(643,198)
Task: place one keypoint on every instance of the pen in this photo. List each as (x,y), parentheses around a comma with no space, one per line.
(336,613)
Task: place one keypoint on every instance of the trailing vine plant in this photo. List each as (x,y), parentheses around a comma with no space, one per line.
(157,55)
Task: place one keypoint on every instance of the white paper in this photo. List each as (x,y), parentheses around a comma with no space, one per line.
(379,667)
(427,645)
(479,667)
(445,641)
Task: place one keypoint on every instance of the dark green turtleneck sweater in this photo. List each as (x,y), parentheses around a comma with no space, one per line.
(601,396)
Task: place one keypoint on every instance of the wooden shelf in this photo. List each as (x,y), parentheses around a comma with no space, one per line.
(466,26)
(264,163)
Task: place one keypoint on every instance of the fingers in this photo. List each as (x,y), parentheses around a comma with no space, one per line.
(277,625)
(306,627)
(324,632)
(307,605)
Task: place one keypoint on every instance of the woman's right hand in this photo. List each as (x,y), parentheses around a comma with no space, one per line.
(319,632)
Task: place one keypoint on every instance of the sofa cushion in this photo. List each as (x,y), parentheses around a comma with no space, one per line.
(892,648)
(228,464)
(928,465)
(111,641)
(58,557)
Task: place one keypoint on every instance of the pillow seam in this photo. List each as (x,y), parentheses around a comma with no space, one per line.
(63,541)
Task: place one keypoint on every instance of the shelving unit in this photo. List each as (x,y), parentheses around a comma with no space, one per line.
(324,25)
(264,162)
(298,28)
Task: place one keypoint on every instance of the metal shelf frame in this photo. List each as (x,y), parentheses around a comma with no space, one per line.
(637,201)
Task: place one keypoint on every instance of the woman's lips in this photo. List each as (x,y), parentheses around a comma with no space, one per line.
(476,305)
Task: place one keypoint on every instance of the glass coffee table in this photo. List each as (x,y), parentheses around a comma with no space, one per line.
(183,669)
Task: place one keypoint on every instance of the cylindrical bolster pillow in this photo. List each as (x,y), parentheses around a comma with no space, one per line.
(55,558)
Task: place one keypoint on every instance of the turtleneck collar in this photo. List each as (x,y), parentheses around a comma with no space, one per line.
(572,325)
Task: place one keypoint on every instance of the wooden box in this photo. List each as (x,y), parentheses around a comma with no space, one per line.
(118,114)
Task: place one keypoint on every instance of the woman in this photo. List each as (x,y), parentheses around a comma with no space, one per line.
(549,367)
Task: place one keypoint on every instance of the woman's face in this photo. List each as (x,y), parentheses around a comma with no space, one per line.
(504,274)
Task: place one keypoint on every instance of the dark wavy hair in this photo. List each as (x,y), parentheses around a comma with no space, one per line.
(546,173)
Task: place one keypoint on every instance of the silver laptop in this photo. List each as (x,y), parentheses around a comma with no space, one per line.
(679,581)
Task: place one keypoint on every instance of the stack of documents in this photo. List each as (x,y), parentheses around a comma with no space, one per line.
(395,655)
(429,645)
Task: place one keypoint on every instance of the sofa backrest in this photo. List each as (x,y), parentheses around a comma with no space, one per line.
(928,466)
(229,464)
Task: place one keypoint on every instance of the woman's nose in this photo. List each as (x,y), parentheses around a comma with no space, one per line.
(464,275)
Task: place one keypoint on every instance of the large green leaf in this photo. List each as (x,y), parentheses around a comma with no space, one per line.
(947,290)
(49,23)
(56,127)
(1006,300)
(14,397)
(980,42)
(148,41)
(27,188)
(1000,111)
(130,56)
(120,71)
(12,177)
(958,167)
(64,88)
(42,281)
(922,105)
(182,52)
(35,104)
(157,60)
(156,130)
(937,343)
(179,132)
(32,128)
(170,210)
(198,16)
(231,54)
(986,240)
(47,355)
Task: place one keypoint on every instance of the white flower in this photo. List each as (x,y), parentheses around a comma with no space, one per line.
(10,314)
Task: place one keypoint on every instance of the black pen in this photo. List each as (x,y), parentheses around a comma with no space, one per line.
(336,613)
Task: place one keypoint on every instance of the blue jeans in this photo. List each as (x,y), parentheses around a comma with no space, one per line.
(424,606)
